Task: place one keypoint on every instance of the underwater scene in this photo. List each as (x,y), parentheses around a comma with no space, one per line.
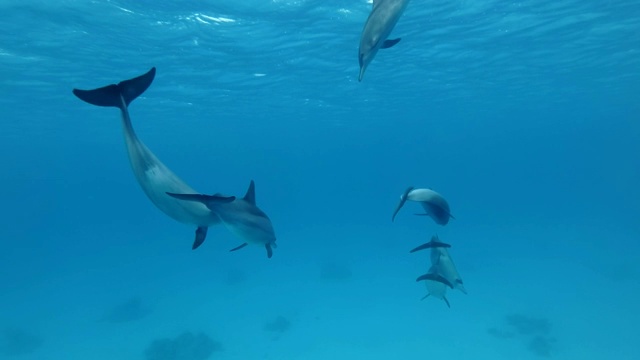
(313,180)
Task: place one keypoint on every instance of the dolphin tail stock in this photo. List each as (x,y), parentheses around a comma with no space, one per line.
(205,199)
(435,277)
(118,95)
(389,43)
(201,235)
(403,199)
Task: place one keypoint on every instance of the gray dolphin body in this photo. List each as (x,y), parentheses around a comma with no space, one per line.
(435,288)
(442,262)
(381,21)
(152,175)
(241,216)
(432,202)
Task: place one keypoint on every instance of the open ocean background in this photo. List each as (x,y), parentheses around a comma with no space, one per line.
(524,115)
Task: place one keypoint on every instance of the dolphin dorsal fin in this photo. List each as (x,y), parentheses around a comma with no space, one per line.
(250,196)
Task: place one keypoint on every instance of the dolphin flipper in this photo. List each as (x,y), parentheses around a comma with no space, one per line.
(205,199)
(389,43)
(113,95)
(403,199)
(429,245)
(446,301)
(201,234)
(435,277)
(239,247)
(424,297)
(269,250)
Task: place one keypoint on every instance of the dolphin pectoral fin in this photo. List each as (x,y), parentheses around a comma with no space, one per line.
(389,43)
(446,301)
(435,277)
(424,297)
(205,199)
(422,214)
(403,199)
(238,247)
(269,250)
(113,95)
(201,234)
(429,245)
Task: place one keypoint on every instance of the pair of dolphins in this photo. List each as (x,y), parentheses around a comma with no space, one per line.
(442,273)
(168,192)
(381,21)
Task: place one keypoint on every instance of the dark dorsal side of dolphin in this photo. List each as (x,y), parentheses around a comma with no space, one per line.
(114,95)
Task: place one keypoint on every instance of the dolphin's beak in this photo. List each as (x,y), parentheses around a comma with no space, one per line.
(362,69)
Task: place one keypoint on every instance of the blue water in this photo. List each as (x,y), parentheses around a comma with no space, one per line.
(523,115)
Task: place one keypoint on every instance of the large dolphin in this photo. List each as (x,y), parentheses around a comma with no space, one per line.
(152,175)
(241,216)
(442,261)
(433,204)
(381,21)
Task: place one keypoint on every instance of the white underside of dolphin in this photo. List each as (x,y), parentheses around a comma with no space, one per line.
(442,263)
(156,179)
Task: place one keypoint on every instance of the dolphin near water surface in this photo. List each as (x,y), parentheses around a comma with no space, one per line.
(381,21)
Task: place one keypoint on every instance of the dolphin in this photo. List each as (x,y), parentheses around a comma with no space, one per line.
(433,204)
(153,176)
(241,216)
(437,289)
(381,21)
(441,259)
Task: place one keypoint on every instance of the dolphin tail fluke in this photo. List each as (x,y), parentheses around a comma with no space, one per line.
(239,247)
(389,43)
(403,199)
(430,245)
(435,277)
(201,234)
(113,95)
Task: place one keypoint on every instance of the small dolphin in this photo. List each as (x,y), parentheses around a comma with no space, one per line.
(381,21)
(441,259)
(433,204)
(152,175)
(241,216)
(437,289)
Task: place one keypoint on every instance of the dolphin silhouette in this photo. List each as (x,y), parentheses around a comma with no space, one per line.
(433,204)
(442,261)
(153,176)
(381,21)
(241,216)
(435,288)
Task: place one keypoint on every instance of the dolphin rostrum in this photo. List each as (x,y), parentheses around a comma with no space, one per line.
(152,175)
(442,262)
(433,204)
(381,21)
(241,216)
